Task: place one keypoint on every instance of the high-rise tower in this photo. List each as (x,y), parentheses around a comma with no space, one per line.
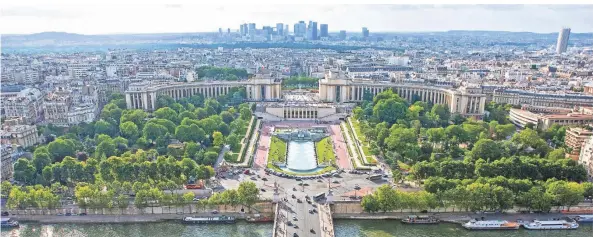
(562,43)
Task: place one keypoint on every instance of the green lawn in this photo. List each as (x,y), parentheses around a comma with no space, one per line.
(277,151)
(325,151)
(365,145)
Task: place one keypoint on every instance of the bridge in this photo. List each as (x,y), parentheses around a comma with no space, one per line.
(295,217)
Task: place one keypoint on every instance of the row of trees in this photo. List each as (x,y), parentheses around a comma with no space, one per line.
(221,73)
(496,194)
(520,167)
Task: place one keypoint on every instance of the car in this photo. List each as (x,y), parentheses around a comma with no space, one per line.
(299,179)
(196,199)
(264,179)
(258,176)
(69,198)
(214,212)
(253,178)
(299,201)
(5,213)
(319,181)
(82,214)
(312,231)
(293,196)
(335,181)
(59,214)
(310,211)
(289,223)
(295,235)
(294,218)
(263,190)
(74,214)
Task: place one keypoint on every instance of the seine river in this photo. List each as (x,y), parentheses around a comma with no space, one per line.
(344,228)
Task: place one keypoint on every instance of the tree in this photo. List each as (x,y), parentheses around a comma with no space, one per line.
(5,187)
(164,101)
(504,131)
(556,154)
(111,111)
(209,158)
(565,193)
(41,159)
(245,113)
(136,116)
(129,130)
(166,113)
(152,131)
(370,203)
(233,141)
(226,117)
(188,198)
(103,127)
(218,139)
(587,189)
(443,113)
(529,138)
(436,135)
(248,193)
(486,149)
(60,148)
(389,110)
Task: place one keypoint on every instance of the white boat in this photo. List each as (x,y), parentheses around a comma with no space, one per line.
(551,225)
(491,225)
(583,218)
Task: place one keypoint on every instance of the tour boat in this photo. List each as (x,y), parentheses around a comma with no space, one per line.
(583,218)
(421,220)
(491,225)
(259,218)
(8,223)
(551,225)
(209,220)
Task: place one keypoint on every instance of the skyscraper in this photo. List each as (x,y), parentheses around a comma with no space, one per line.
(300,29)
(562,43)
(342,35)
(251,30)
(312,30)
(323,30)
(365,32)
(286,29)
(280,29)
(245,29)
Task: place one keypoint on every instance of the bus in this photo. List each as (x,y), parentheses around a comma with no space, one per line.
(375,177)
(319,196)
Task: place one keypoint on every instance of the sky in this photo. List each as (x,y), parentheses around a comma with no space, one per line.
(98,17)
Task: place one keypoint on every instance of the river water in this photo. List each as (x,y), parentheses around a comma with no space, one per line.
(344,228)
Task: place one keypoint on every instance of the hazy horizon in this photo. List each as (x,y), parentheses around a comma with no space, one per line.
(109,19)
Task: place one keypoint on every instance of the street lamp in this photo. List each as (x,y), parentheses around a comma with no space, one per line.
(356,188)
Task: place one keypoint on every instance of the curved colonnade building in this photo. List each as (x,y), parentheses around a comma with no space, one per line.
(334,90)
(143,95)
(466,102)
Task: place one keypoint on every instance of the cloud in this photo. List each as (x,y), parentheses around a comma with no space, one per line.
(173,5)
(37,12)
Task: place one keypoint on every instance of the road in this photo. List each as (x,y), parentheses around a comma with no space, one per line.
(304,220)
(221,156)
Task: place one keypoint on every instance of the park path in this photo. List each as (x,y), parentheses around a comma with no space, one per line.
(340,147)
(263,147)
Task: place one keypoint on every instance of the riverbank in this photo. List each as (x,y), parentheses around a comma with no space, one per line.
(460,217)
(115,219)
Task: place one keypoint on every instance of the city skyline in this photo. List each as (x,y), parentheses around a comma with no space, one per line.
(80,19)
